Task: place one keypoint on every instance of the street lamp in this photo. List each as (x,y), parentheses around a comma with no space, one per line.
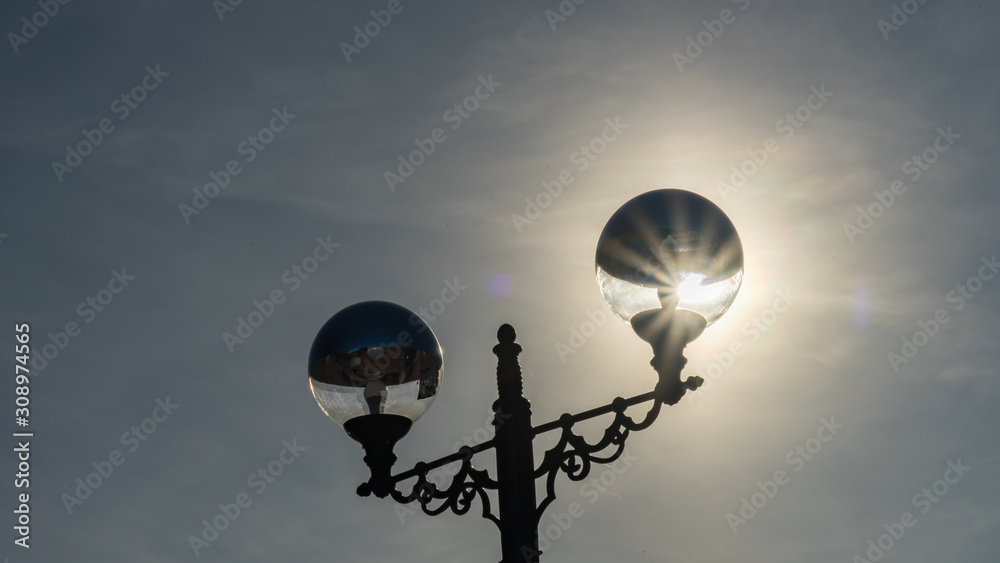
(669,262)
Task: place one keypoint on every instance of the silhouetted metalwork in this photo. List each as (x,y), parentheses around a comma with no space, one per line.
(519,513)
(465,486)
(669,262)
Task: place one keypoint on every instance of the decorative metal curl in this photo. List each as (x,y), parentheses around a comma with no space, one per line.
(574,456)
(465,486)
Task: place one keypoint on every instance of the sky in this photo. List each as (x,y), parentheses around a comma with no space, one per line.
(170,168)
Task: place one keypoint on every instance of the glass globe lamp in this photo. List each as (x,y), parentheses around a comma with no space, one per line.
(375,368)
(668,251)
(375,358)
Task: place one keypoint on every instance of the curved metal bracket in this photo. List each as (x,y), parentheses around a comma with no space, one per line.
(575,457)
(465,486)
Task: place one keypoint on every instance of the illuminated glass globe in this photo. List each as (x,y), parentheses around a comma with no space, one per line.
(669,249)
(375,358)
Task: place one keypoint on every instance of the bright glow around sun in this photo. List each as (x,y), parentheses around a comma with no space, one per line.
(692,293)
(690,287)
(709,300)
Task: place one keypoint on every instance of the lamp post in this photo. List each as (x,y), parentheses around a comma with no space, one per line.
(669,262)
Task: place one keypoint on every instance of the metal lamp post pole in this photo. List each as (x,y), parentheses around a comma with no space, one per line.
(515,460)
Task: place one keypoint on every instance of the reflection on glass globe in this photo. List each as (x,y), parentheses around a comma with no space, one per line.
(375,358)
(669,248)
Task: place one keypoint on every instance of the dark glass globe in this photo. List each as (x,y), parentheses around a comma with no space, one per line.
(375,357)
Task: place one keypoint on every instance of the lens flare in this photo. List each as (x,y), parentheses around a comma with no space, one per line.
(669,248)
